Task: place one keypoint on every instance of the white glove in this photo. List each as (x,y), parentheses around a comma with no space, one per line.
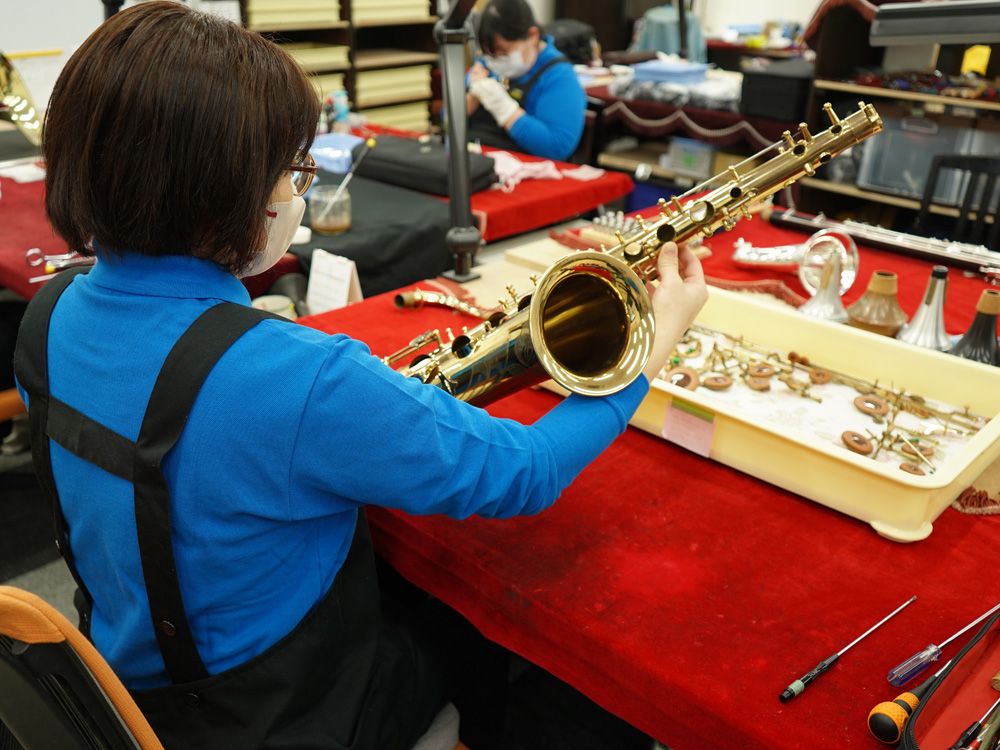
(492,95)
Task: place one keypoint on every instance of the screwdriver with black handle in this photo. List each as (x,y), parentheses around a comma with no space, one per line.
(887,719)
(805,680)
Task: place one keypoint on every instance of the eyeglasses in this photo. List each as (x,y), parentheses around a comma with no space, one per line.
(303,172)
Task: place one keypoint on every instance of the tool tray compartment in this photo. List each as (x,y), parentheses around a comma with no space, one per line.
(961,695)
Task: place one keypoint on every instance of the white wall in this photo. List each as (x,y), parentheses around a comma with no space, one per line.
(29,26)
(717,15)
(545,10)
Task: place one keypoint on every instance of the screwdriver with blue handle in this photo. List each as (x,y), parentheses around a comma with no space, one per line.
(903,673)
(805,680)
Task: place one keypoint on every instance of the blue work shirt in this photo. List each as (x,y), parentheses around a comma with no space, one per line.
(292,432)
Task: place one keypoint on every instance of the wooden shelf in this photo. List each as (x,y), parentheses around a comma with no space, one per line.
(630,160)
(874,92)
(854,191)
(325,67)
(372,59)
(300,26)
(390,101)
(395,22)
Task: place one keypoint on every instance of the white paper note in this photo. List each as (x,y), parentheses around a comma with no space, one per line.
(333,282)
(689,426)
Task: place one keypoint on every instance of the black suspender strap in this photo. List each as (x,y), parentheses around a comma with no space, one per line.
(520,92)
(31,366)
(181,377)
(187,365)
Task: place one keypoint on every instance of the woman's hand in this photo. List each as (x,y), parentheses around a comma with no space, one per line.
(478,72)
(676,301)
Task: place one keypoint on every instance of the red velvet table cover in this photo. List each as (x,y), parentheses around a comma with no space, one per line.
(683,595)
(23,226)
(531,204)
(538,203)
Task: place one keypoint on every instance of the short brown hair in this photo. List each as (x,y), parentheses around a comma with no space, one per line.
(166,132)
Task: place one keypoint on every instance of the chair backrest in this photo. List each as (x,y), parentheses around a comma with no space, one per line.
(56,691)
(980,197)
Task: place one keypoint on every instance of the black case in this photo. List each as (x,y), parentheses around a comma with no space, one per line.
(419,166)
(779,92)
(961,695)
(573,38)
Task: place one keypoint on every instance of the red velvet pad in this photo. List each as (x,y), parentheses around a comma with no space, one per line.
(23,226)
(683,595)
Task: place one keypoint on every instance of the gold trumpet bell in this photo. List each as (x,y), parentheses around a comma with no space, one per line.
(591,323)
(16,104)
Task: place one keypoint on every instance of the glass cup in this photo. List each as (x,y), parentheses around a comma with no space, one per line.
(326,215)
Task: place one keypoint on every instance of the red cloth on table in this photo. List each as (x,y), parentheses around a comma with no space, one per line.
(23,225)
(683,595)
(538,203)
(532,203)
(913,273)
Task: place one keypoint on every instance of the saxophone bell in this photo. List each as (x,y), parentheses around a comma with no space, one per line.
(592,323)
(588,325)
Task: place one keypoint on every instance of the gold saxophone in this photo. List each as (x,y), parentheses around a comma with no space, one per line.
(588,324)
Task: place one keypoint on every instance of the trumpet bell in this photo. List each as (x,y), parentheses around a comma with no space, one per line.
(16,104)
(591,323)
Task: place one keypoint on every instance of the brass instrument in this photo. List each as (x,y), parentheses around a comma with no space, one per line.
(964,255)
(16,104)
(589,325)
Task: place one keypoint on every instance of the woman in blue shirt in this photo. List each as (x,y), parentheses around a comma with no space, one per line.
(542,108)
(210,464)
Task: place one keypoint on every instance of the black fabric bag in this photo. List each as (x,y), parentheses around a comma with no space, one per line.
(573,38)
(952,702)
(419,166)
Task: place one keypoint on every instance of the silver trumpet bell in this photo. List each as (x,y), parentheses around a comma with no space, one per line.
(808,258)
(927,326)
(826,302)
(16,104)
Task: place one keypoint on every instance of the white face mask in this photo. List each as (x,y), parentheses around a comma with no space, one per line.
(281,229)
(508,66)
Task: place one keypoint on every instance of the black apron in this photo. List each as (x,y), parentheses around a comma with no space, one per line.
(340,679)
(483,126)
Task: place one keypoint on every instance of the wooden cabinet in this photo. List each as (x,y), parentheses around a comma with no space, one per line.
(382,52)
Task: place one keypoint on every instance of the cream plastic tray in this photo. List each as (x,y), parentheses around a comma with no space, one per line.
(899,506)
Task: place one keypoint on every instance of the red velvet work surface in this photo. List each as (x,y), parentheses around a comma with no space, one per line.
(23,226)
(683,595)
(913,273)
(532,204)
(538,203)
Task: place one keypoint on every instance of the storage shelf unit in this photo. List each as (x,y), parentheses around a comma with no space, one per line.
(874,92)
(355,40)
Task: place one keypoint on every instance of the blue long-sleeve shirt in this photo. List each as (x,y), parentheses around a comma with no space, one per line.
(292,432)
(555,108)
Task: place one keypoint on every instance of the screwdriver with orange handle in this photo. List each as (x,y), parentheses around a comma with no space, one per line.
(887,719)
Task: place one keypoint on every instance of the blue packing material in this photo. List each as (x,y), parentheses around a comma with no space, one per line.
(332,151)
(670,72)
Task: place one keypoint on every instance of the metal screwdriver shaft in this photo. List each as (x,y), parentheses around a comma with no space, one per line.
(803,682)
(917,663)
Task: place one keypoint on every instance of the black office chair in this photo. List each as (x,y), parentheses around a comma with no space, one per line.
(56,691)
(980,197)
(592,140)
